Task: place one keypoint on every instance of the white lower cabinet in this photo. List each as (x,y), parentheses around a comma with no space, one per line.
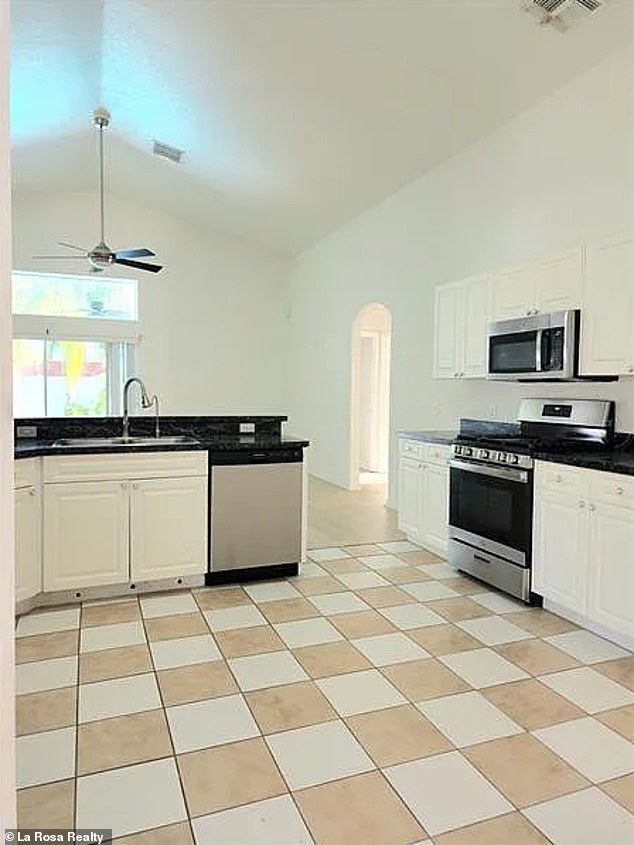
(409,497)
(28,543)
(423,494)
(611,582)
(435,493)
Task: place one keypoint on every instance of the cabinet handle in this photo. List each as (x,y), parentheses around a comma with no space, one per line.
(124,485)
(32,491)
(630,369)
(558,479)
(135,486)
(593,507)
(582,504)
(618,491)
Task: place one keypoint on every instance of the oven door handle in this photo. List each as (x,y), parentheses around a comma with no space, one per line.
(509,473)
(539,340)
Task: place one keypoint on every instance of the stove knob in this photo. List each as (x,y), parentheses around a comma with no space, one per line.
(484,453)
(513,459)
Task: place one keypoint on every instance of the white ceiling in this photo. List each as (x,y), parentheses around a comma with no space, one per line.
(294,116)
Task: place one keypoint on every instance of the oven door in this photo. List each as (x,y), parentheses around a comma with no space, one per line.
(490,508)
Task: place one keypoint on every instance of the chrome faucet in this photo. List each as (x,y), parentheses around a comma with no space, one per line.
(146,402)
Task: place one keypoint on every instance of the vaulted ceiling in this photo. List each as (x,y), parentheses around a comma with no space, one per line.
(294,115)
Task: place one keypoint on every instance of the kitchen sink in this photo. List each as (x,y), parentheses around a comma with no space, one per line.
(93,442)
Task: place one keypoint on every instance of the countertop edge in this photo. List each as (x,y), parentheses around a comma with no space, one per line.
(447,437)
(22,450)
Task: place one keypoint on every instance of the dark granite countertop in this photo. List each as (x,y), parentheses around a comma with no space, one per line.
(606,460)
(447,437)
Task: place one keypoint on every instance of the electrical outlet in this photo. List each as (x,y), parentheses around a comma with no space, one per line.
(493,411)
(247,428)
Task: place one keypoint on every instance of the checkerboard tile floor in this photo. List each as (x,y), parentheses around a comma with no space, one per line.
(378,698)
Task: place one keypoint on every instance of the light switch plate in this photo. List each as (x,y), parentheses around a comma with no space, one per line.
(247,428)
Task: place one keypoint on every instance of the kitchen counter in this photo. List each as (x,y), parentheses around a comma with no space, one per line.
(606,460)
(446,437)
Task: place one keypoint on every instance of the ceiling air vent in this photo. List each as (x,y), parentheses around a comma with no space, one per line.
(562,14)
(165,151)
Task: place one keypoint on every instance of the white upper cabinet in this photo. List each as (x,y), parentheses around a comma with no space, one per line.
(514,293)
(460,327)
(607,340)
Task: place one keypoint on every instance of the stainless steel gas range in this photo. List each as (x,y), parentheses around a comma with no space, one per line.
(491,484)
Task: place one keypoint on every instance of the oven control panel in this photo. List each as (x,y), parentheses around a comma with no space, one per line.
(492,456)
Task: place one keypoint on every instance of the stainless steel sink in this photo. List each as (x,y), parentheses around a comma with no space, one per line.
(96,442)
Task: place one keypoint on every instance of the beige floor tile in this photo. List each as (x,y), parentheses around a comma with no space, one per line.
(540,622)
(363,549)
(404,575)
(531,704)
(48,806)
(622,790)
(228,776)
(443,639)
(319,585)
(114,663)
(346,564)
(245,641)
(110,614)
(291,706)
(465,586)
(170,834)
(43,711)
(46,646)
(385,596)
(397,735)
(366,623)
(122,741)
(512,829)
(327,659)
(361,809)
(456,610)
(196,683)
(288,610)
(216,598)
(621,671)
(524,770)
(537,657)
(420,558)
(175,627)
(423,679)
(621,720)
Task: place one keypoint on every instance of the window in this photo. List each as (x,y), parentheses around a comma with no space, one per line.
(75,340)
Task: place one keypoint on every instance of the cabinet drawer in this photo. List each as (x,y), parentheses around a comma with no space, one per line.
(411,448)
(436,453)
(26,473)
(63,468)
(560,478)
(612,488)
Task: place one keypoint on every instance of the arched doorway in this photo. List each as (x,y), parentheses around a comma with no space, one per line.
(370,396)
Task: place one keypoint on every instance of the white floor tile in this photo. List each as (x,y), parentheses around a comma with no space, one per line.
(184,651)
(271,591)
(258,671)
(229,618)
(494,630)
(271,822)
(131,799)
(379,562)
(445,792)
(361,580)
(483,667)
(588,689)
(317,754)
(334,603)
(311,570)
(130,694)
(498,603)
(438,570)
(386,649)
(168,604)
(587,817)
(305,632)
(587,647)
(215,721)
(45,756)
(45,674)
(331,553)
(111,636)
(468,718)
(429,590)
(48,622)
(360,692)
(408,616)
(593,749)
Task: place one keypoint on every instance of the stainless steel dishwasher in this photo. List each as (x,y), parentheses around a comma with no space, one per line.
(255,524)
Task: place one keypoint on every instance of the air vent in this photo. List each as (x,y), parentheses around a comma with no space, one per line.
(562,14)
(166,151)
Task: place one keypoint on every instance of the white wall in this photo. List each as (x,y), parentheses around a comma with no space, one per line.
(215,334)
(551,178)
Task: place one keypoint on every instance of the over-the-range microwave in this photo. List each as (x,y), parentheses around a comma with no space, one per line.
(539,347)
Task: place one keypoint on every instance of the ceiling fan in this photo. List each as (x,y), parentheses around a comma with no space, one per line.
(101,256)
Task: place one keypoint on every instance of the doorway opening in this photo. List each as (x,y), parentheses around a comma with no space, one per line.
(370,399)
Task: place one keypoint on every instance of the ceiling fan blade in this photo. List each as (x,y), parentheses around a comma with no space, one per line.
(72,246)
(140,265)
(133,253)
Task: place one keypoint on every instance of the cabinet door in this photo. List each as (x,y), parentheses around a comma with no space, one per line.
(607,347)
(448,331)
(85,534)
(514,292)
(611,575)
(28,544)
(560,548)
(168,528)
(434,507)
(559,281)
(409,497)
(476,316)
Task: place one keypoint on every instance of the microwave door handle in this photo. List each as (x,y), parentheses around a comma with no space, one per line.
(539,336)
